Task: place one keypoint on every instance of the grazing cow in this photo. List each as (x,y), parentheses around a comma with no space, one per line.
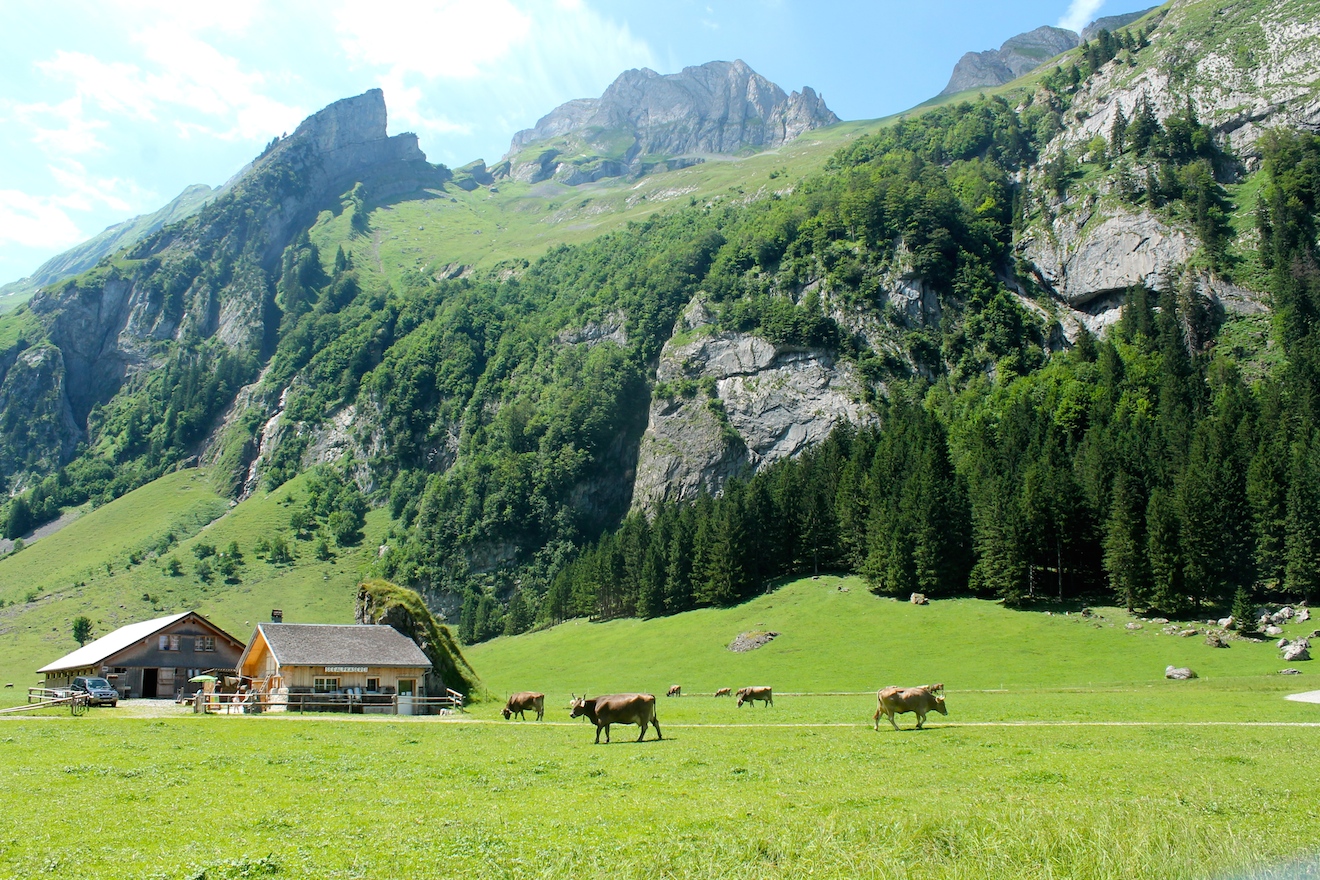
(751,694)
(675,690)
(521,702)
(636,709)
(921,700)
(723,692)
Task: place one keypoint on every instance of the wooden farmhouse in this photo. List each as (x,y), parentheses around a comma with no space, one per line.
(152,659)
(332,661)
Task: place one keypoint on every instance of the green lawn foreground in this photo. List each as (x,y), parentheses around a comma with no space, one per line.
(1065,754)
(290,797)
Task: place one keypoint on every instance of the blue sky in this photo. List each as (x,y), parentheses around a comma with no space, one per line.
(109,108)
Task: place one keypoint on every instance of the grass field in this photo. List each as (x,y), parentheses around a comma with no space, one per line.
(1065,754)
(87,568)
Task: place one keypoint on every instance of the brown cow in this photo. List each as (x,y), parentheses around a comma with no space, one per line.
(751,694)
(921,700)
(723,692)
(636,709)
(521,702)
(675,690)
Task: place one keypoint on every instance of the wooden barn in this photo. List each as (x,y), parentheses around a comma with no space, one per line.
(152,659)
(333,660)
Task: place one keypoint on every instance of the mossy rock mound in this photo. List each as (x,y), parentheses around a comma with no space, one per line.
(381,602)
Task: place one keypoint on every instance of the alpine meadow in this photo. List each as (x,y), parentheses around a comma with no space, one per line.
(1002,413)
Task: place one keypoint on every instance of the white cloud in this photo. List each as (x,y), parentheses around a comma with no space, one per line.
(448,65)
(61,129)
(1080,13)
(83,192)
(181,72)
(451,39)
(35,221)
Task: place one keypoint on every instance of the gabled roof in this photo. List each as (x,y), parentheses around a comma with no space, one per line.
(126,636)
(328,644)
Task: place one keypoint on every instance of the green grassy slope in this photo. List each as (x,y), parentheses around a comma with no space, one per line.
(854,641)
(521,221)
(69,576)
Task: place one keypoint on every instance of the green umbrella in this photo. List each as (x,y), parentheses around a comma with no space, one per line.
(200,678)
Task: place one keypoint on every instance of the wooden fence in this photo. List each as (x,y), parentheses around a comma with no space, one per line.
(254,703)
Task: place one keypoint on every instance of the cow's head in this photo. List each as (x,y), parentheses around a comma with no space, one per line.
(940,707)
(742,695)
(506,713)
(578,707)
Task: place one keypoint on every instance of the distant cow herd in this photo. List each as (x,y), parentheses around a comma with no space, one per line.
(639,709)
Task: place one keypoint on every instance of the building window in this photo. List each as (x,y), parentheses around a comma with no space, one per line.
(204,643)
(169,643)
(325,685)
(373,685)
(174,643)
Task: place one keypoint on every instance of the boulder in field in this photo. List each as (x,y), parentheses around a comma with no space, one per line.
(1178,673)
(1303,615)
(1273,630)
(919,599)
(1133,625)
(1226,622)
(1290,672)
(1297,651)
(1216,640)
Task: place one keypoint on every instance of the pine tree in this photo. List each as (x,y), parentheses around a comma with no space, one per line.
(1125,544)
(1164,553)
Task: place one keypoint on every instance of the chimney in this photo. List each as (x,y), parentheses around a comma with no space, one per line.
(276,615)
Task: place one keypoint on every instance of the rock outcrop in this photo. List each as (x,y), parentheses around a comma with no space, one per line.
(728,403)
(383,603)
(1240,87)
(1112,23)
(1084,257)
(1018,55)
(646,118)
(1025,52)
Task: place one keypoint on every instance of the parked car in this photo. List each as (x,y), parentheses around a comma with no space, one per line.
(98,690)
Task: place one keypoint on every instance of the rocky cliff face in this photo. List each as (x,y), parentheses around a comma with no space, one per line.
(719,107)
(1255,69)
(208,277)
(1026,52)
(1016,56)
(729,403)
(1083,256)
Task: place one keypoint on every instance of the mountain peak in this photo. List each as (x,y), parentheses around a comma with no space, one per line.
(1025,52)
(717,107)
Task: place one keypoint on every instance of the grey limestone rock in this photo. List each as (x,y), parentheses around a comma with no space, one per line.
(1112,23)
(1018,55)
(744,403)
(1178,673)
(1297,651)
(1082,261)
(718,107)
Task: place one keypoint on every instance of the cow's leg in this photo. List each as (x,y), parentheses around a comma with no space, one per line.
(770,700)
(642,730)
(598,734)
(876,717)
(607,734)
(539,712)
(921,719)
(655,722)
(890,713)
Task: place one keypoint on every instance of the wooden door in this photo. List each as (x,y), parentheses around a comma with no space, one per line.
(149,684)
